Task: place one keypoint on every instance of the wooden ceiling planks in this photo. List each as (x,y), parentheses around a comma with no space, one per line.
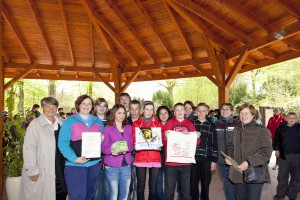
(82,36)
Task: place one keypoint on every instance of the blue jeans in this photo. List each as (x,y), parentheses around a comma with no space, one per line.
(81,181)
(228,186)
(181,174)
(160,191)
(102,189)
(248,191)
(118,179)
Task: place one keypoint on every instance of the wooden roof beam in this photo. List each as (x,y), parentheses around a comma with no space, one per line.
(293,45)
(212,58)
(36,17)
(131,79)
(63,16)
(286,5)
(251,61)
(92,44)
(268,53)
(213,19)
(199,26)
(117,11)
(45,67)
(263,41)
(21,75)
(96,73)
(181,33)
(205,73)
(238,65)
(154,29)
(247,14)
(181,71)
(5,55)
(17,34)
(267,62)
(164,73)
(95,16)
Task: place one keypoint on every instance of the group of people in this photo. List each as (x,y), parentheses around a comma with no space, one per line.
(54,166)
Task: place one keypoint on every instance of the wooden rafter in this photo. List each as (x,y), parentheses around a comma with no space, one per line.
(181,33)
(131,79)
(153,27)
(263,41)
(268,53)
(181,71)
(267,62)
(213,19)
(96,73)
(19,76)
(63,16)
(247,14)
(117,11)
(286,5)
(292,44)
(95,16)
(17,34)
(5,55)
(251,61)
(36,17)
(238,65)
(212,58)
(199,26)
(46,67)
(92,44)
(116,74)
(205,73)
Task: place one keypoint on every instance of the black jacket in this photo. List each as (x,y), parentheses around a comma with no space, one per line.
(279,143)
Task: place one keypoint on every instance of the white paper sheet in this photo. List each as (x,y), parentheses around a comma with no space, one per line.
(91,144)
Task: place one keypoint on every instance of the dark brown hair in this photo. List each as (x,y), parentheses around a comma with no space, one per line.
(80,99)
(112,117)
(227,104)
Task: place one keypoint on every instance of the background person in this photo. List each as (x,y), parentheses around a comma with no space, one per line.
(287,148)
(42,157)
(250,145)
(125,100)
(273,124)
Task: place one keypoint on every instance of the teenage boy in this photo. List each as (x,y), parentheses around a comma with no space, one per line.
(125,100)
(135,110)
(287,148)
(206,154)
(180,172)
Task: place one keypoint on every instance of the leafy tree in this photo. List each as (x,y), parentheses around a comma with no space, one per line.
(238,93)
(52,88)
(161,97)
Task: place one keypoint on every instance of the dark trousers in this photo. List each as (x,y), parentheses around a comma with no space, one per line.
(290,166)
(248,191)
(81,181)
(181,174)
(200,172)
(61,196)
(141,181)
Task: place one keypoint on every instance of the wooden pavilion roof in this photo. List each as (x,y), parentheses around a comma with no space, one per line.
(141,40)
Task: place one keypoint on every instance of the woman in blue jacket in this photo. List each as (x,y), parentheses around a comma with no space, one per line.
(81,173)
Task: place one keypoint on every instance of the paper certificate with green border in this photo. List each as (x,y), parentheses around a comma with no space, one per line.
(148,138)
(91,144)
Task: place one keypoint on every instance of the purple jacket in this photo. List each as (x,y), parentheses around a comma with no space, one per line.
(112,135)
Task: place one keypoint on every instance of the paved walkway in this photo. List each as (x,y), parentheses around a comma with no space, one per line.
(216,188)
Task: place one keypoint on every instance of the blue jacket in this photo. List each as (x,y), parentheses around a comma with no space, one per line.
(70,137)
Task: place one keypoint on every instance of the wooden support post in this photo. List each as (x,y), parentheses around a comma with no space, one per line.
(1,105)
(223,94)
(223,90)
(118,84)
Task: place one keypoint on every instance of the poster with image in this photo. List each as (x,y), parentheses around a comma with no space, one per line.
(181,147)
(148,138)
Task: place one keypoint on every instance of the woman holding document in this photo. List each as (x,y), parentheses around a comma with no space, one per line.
(79,142)
(251,147)
(117,147)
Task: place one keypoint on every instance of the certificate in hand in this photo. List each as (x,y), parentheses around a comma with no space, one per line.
(91,144)
(233,162)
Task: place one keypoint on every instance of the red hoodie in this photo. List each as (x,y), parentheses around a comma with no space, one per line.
(175,125)
(273,123)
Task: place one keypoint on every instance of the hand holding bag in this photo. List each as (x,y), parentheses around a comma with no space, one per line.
(255,174)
